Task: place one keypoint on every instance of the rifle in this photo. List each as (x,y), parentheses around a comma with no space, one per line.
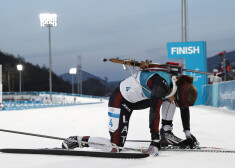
(170,67)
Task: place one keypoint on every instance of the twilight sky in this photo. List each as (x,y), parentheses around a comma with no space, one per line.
(96,29)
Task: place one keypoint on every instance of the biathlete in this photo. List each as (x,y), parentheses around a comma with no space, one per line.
(143,90)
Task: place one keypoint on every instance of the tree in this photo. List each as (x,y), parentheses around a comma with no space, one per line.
(11,75)
(34,78)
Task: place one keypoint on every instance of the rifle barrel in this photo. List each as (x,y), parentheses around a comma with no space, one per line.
(196,71)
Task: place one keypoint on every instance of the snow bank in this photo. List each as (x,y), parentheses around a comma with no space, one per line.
(211,126)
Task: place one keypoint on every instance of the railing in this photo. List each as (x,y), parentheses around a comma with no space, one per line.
(220,94)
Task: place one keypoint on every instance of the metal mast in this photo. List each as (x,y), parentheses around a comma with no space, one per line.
(79,72)
(184,34)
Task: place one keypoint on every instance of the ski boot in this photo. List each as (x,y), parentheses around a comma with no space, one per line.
(167,136)
(74,142)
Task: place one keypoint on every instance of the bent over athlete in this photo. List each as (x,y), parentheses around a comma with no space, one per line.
(142,90)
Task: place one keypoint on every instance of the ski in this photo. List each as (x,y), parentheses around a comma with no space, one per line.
(198,149)
(170,67)
(67,152)
(187,149)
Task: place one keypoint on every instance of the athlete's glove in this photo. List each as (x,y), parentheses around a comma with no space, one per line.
(153,149)
(190,141)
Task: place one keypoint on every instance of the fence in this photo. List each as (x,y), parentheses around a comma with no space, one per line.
(220,95)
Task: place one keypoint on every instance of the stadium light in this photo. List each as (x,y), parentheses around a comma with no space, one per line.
(19,68)
(73,71)
(49,20)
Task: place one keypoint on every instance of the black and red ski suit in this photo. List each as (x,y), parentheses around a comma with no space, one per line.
(159,90)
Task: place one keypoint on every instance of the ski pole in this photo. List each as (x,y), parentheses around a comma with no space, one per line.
(31,134)
(59,138)
(138,140)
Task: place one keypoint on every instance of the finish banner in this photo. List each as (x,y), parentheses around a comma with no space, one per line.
(194,57)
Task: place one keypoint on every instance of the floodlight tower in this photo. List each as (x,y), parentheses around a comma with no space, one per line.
(19,68)
(49,20)
(73,71)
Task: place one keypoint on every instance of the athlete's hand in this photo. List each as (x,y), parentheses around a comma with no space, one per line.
(190,141)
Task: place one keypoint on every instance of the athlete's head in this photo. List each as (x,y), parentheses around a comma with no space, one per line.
(186,94)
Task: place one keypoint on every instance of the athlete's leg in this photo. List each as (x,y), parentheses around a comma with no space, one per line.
(86,141)
(94,141)
(119,112)
(168,110)
(167,137)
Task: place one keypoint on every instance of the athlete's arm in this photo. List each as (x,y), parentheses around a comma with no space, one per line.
(185,117)
(159,89)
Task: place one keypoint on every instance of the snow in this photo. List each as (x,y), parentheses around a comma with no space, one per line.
(211,126)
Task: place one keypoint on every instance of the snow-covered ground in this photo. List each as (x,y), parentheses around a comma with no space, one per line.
(211,126)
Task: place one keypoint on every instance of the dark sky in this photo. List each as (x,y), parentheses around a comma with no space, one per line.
(138,29)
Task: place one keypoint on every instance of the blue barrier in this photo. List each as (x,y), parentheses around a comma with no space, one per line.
(21,93)
(220,94)
(54,93)
(36,106)
(22,102)
(21,105)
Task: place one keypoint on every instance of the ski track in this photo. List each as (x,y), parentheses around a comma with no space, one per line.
(211,126)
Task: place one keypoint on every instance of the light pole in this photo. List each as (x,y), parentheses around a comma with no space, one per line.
(184,28)
(1,87)
(19,68)
(72,71)
(49,20)
(79,71)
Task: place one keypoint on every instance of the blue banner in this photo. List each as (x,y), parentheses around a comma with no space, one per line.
(194,58)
